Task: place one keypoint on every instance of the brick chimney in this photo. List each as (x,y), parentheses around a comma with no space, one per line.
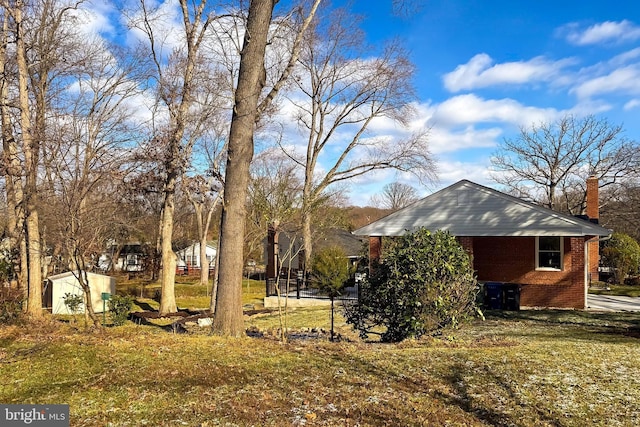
(593,212)
(593,202)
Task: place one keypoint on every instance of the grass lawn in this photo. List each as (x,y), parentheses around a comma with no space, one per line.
(528,368)
(189,293)
(624,290)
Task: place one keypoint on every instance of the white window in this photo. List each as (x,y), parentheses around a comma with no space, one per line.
(549,251)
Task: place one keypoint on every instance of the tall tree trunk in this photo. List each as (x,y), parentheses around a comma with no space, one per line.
(167,289)
(251,78)
(307,207)
(12,172)
(204,213)
(214,283)
(204,262)
(31,151)
(307,243)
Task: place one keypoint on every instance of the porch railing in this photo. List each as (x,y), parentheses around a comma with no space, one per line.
(305,288)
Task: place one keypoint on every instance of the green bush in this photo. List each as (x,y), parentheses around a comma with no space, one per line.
(11,300)
(73,303)
(622,254)
(424,283)
(331,269)
(120,307)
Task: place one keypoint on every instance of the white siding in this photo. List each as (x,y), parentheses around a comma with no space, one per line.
(67,283)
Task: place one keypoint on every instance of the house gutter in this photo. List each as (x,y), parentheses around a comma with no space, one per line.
(586,263)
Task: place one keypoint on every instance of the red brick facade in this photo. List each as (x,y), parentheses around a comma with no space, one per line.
(375,248)
(512,259)
(593,212)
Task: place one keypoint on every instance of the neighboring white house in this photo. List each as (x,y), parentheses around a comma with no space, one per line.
(56,287)
(131,257)
(190,256)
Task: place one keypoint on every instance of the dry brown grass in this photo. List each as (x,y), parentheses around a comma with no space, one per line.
(553,368)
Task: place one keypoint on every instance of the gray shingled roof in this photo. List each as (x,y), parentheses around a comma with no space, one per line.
(469,209)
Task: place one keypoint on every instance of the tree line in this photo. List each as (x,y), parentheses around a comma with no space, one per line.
(104,137)
(191,102)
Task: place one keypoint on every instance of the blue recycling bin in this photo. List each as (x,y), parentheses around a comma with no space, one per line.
(494,295)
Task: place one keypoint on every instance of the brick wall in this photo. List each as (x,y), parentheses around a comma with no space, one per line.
(375,248)
(593,212)
(467,244)
(512,259)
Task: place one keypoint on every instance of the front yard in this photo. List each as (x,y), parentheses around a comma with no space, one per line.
(528,368)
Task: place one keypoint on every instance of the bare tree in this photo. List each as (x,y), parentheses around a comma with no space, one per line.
(394,196)
(275,196)
(30,150)
(548,163)
(620,213)
(85,156)
(341,92)
(41,31)
(11,165)
(204,194)
(184,104)
(246,112)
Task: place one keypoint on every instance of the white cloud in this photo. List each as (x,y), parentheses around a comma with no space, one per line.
(624,58)
(166,23)
(634,103)
(94,18)
(608,31)
(471,109)
(621,80)
(453,171)
(481,72)
(442,140)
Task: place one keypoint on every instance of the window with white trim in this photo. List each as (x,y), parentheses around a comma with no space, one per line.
(549,252)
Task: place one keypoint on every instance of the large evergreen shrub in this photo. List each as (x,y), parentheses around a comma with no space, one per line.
(424,283)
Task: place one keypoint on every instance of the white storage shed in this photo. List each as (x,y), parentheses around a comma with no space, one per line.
(56,287)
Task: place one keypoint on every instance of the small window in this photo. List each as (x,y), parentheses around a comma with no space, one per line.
(549,253)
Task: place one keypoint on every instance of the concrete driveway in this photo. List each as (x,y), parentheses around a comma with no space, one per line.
(612,303)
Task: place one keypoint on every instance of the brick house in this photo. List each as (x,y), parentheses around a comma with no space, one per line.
(552,256)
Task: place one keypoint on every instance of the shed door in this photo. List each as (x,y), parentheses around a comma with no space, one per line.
(47,295)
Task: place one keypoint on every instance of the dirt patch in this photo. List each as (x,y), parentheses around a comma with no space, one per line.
(186,319)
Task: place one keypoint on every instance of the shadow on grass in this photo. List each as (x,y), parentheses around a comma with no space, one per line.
(145,305)
(446,387)
(602,326)
(462,397)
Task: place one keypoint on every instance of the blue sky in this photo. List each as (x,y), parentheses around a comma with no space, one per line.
(485,68)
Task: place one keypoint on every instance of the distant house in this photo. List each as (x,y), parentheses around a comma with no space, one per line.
(189,257)
(56,287)
(285,248)
(283,251)
(130,257)
(552,256)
